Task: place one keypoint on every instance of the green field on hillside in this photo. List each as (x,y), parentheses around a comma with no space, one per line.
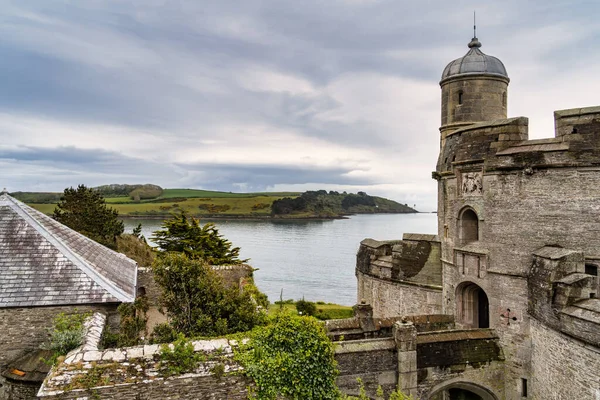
(259,206)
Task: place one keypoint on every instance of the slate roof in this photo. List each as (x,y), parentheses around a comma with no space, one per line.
(43,262)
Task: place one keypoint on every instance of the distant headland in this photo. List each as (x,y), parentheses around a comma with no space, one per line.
(153,201)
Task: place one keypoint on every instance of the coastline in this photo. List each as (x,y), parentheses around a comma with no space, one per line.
(259,217)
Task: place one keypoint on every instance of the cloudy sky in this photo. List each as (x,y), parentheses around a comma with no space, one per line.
(266,95)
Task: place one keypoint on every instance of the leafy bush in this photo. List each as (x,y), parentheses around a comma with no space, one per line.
(133,322)
(306,307)
(66,334)
(163,333)
(292,357)
(198,303)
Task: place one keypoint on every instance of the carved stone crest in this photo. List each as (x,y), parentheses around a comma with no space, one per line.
(472,184)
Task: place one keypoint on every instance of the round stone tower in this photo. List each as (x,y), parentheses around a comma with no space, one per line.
(474,89)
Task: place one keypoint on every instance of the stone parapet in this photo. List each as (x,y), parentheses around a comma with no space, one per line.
(114,370)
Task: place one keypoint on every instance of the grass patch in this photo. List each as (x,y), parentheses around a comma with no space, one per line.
(324,310)
(44,208)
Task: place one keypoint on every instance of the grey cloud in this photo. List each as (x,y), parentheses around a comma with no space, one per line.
(177,69)
(261,177)
(105,167)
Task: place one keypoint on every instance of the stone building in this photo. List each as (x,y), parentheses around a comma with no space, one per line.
(47,269)
(514,262)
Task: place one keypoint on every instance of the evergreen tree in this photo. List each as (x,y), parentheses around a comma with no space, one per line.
(84,210)
(185,235)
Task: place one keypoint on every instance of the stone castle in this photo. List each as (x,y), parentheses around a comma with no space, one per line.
(502,302)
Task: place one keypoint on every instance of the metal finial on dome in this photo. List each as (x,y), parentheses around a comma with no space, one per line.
(474,43)
(4,191)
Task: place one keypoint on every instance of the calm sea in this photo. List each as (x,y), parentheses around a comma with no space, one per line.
(310,259)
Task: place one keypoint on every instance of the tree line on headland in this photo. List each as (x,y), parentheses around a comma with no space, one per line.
(325,203)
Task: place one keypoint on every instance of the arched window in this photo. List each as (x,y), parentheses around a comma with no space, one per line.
(503,99)
(468,228)
(460,97)
(472,306)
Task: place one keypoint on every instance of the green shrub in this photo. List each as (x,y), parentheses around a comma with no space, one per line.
(292,358)
(163,333)
(132,326)
(66,334)
(109,339)
(306,307)
(197,302)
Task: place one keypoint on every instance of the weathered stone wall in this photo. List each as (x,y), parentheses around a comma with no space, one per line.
(190,387)
(480,141)
(375,361)
(137,372)
(234,275)
(562,367)
(400,277)
(455,348)
(417,259)
(146,285)
(523,212)
(392,298)
(17,390)
(577,121)
(26,328)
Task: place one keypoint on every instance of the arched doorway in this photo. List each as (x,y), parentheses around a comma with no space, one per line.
(472,306)
(462,394)
(468,226)
(462,391)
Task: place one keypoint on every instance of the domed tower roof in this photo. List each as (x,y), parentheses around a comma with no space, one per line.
(475,62)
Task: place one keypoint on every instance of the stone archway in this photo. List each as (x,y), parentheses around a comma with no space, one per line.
(472,306)
(461,391)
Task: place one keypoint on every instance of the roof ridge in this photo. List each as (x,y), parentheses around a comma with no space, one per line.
(86,267)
